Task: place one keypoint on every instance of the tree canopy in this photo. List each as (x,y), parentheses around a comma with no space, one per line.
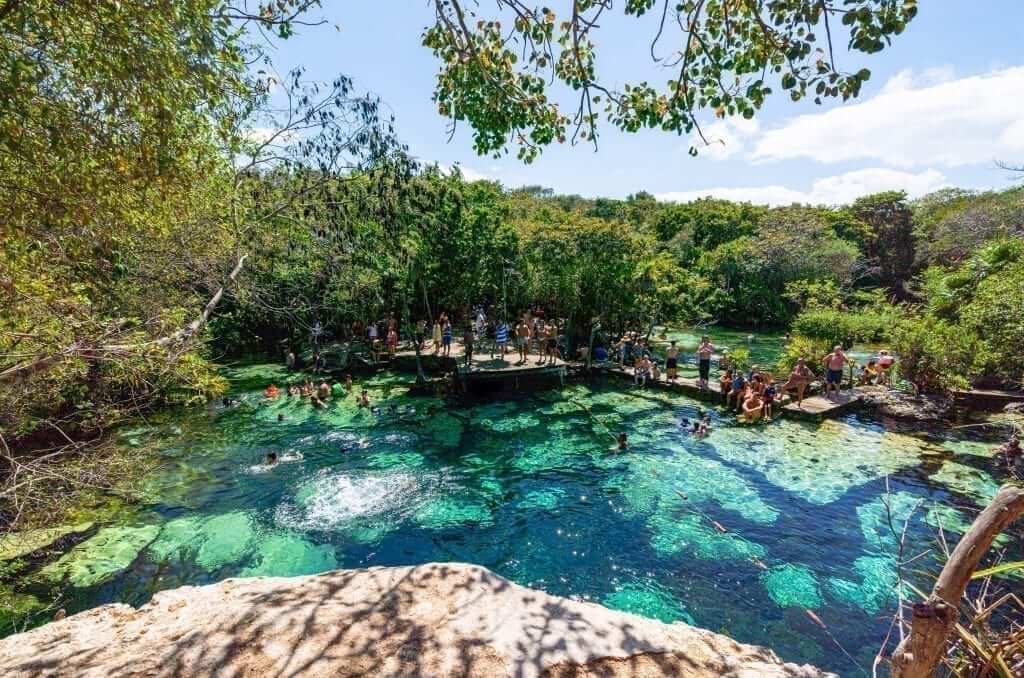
(500,61)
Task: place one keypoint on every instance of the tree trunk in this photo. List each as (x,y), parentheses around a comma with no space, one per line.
(920,652)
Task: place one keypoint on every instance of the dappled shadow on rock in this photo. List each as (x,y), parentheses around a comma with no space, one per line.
(426,621)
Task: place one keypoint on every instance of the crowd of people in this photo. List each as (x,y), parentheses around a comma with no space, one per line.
(753,394)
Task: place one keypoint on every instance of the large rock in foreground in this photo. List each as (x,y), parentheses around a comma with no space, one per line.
(431,620)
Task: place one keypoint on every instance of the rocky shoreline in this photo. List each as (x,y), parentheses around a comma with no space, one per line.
(438,619)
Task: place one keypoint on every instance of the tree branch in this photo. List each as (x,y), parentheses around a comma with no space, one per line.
(919,654)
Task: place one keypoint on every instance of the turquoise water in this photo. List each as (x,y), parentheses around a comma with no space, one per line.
(532,490)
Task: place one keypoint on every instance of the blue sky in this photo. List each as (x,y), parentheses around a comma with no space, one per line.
(944,103)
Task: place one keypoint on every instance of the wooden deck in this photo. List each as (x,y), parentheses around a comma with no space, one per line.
(820,407)
(483,365)
(813,406)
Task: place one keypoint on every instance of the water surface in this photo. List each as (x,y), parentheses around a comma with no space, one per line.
(532,490)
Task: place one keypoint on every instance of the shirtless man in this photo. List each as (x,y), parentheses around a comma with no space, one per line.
(671,361)
(752,407)
(704,352)
(798,379)
(834,363)
(523,339)
(551,342)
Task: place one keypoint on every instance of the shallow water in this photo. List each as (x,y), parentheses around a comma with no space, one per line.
(531,490)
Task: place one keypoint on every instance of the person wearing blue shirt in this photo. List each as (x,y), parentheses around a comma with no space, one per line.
(501,338)
(737,388)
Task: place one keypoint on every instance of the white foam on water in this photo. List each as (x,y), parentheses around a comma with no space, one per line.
(339,500)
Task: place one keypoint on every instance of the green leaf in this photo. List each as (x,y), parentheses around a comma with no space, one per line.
(1002,568)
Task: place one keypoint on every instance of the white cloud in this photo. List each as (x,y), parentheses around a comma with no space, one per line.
(261,135)
(468,173)
(725,138)
(927,121)
(833,190)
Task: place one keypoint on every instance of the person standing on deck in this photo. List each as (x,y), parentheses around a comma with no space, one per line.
(467,344)
(834,363)
(523,339)
(501,338)
(704,352)
(671,361)
(421,334)
(374,340)
(446,337)
(392,342)
(436,336)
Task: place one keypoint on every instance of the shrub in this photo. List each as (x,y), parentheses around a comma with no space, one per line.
(811,349)
(936,355)
(845,327)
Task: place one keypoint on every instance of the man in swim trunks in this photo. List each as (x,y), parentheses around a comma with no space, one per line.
(523,339)
(704,352)
(834,363)
(671,361)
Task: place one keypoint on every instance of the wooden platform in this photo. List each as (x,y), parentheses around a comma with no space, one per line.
(820,407)
(482,365)
(813,406)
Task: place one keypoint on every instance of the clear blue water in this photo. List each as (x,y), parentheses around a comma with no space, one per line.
(532,490)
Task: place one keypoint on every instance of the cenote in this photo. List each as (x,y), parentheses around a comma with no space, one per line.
(531,489)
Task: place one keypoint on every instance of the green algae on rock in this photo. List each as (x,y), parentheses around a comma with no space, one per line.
(792,585)
(876,588)
(213,542)
(226,539)
(99,558)
(19,544)
(802,464)
(445,429)
(289,555)
(690,534)
(16,608)
(542,499)
(647,599)
(968,481)
(446,512)
(653,482)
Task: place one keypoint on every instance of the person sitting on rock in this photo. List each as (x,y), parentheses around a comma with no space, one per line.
(752,407)
(1011,451)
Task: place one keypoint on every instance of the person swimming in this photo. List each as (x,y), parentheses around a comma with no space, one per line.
(280,417)
(271,459)
(271,392)
(622,444)
(364,399)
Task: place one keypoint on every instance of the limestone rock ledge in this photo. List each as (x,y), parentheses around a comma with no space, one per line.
(438,619)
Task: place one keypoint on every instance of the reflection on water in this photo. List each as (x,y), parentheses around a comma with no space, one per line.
(740,532)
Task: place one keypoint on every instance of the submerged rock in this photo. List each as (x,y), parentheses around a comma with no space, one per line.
(98,559)
(19,544)
(898,405)
(431,620)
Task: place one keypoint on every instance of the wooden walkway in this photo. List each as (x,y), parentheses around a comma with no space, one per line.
(482,365)
(820,407)
(485,368)
(814,406)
